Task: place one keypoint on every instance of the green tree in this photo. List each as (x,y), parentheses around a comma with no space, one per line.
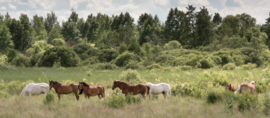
(266,28)
(245,22)
(203,29)
(5,39)
(39,28)
(54,33)
(50,21)
(217,19)
(28,33)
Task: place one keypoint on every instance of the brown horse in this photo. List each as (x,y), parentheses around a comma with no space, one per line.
(64,89)
(91,91)
(246,87)
(230,87)
(131,89)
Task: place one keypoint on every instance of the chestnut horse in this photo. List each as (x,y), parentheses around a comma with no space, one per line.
(230,87)
(131,89)
(246,87)
(91,91)
(64,89)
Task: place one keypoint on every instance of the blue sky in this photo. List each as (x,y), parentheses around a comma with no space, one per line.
(256,8)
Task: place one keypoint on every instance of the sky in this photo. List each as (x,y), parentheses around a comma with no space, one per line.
(258,9)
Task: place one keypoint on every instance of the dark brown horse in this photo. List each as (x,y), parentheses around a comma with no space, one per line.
(131,89)
(230,87)
(64,89)
(91,90)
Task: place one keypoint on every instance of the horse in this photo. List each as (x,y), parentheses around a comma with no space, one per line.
(131,89)
(246,87)
(35,89)
(230,87)
(91,91)
(163,88)
(64,89)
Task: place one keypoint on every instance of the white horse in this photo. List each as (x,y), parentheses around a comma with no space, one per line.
(35,89)
(246,87)
(163,88)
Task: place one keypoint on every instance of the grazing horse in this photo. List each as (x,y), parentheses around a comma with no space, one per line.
(64,89)
(230,87)
(163,88)
(35,89)
(246,87)
(91,91)
(131,89)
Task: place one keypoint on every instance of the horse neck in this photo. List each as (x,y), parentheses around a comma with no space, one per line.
(57,86)
(85,88)
(123,85)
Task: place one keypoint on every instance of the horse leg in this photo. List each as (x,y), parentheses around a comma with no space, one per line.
(30,95)
(58,96)
(76,94)
(164,94)
(150,96)
(99,96)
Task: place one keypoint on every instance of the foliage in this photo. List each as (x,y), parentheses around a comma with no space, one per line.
(48,99)
(58,42)
(5,39)
(172,45)
(131,99)
(154,66)
(135,47)
(213,97)
(220,81)
(248,66)
(116,99)
(105,66)
(229,66)
(133,65)
(122,48)
(123,59)
(107,55)
(266,104)
(21,61)
(131,77)
(247,101)
(66,56)
(185,67)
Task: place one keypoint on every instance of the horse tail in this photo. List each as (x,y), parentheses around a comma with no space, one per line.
(148,89)
(238,89)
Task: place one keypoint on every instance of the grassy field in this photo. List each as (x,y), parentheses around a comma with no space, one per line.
(178,106)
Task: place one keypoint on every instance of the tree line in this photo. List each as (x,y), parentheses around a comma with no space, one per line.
(193,30)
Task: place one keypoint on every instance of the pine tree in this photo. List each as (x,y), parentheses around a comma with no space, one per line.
(50,21)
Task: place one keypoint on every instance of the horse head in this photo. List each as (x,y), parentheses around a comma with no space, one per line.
(115,84)
(51,83)
(252,82)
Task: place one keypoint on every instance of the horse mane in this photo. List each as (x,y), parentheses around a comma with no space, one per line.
(55,82)
(122,82)
(84,84)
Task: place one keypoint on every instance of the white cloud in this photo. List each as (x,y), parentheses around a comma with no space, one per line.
(12,6)
(3,8)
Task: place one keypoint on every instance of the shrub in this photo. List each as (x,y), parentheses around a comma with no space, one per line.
(3,66)
(248,66)
(122,48)
(247,101)
(187,90)
(220,81)
(185,67)
(35,58)
(48,99)
(81,48)
(58,42)
(132,65)
(155,50)
(131,77)
(172,45)
(266,104)
(3,58)
(213,97)
(89,61)
(116,99)
(15,87)
(216,59)
(229,66)
(131,99)
(154,66)
(105,66)
(206,63)
(123,59)
(11,54)
(261,87)
(106,55)
(65,55)
(21,61)
(229,99)
(135,47)
(165,59)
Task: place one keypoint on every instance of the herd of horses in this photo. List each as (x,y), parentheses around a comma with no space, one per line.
(97,90)
(142,89)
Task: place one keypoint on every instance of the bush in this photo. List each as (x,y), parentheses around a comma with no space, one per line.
(66,56)
(58,42)
(154,66)
(135,47)
(229,66)
(106,55)
(21,61)
(249,66)
(81,50)
(48,99)
(172,45)
(184,67)
(261,87)
(122,48)
(11,55)
(132,65)
(220,81)
(123,59)
(105,66)
(131,99)
(116,99)
(131,77)
(89,61)
(15,87)
(206,63)
(213,97)
(229,99)
(187,90)
(266,104)
(247,101)
(3,66)
(35,58)
(165,59)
